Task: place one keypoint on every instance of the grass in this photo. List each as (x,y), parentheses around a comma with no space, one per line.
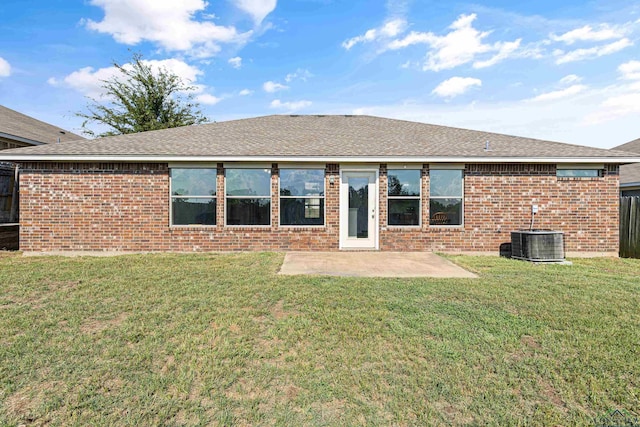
(219,339)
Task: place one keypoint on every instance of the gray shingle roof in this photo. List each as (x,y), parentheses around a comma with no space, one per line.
(630,173)
(22,126)
(317,136)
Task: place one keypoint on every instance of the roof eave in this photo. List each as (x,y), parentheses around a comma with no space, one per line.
(327,159)
(630,184)
(21,139)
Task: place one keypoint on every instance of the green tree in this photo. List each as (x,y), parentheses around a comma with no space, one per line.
(140,99)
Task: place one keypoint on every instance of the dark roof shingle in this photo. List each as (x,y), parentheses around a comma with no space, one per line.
(318,136)
(22,126)
(630,174)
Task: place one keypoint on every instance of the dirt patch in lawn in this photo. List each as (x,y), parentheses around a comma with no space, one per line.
(96,326)
(25,403)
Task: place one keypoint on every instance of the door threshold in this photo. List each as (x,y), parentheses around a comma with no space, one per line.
(360,249)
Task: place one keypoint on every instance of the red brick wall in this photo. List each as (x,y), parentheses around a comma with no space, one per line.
(498,200)
(125,207)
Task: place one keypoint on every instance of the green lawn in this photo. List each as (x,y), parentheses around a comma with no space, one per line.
(218,339)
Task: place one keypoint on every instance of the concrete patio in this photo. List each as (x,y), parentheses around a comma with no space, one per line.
(371,264)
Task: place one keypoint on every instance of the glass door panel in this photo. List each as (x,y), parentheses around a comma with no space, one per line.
(359,207)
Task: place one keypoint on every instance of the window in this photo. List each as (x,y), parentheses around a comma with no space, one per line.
(248,196)
(403,201)
(578,173)
(193,196)
(445,203)
(301,196)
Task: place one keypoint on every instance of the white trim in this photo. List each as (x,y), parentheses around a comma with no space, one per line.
(448,166)
(193,165)
(360,166)
(25,140)
(342,205)
(565,166)
(299,165)
(278,159)
(246,165)
(629,184)
(404,166)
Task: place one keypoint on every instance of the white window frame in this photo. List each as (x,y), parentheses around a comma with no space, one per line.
(324,184)
(172,166)
(451,166)
(248,166)
(389,197)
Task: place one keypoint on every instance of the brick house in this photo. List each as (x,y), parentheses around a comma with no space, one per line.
(315,183)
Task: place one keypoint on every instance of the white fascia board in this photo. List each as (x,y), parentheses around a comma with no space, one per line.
(21,139)
(629,184)
(281,159)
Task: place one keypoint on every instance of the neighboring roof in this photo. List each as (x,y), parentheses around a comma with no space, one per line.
(18,126)
(320,138)
(630,174)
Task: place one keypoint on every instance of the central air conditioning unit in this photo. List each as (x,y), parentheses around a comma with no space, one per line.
(537,245)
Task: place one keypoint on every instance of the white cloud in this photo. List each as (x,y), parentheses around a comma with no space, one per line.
(456,86)
(208,99)
(630,70)
(272,87)
(258,9)
(615,107)
(289,106)
(622,100)
(460,46)
(592,52)
(587,33)
(557,120)
(571,78)
(170,24)
(88,80)
(559,94)
(5,68)
(414,37)
(505,50)
(236,62)
(299,74)
(389,29)
(245,92)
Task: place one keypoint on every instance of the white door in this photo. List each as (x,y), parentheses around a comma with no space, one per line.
(358,209)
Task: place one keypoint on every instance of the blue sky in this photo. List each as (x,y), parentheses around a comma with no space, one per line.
(559,70)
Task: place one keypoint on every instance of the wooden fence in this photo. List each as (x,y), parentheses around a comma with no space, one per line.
(8,194)
(9,229)
(630,227)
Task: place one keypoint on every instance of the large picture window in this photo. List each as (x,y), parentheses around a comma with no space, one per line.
(193,196)
(248,196)
(445,196)
(403,197)
(301,196)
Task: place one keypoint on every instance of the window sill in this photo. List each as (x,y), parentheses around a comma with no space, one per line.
(302,227)
(248,227)
(446,227)
(579,178)
(193,227)
(403,227)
